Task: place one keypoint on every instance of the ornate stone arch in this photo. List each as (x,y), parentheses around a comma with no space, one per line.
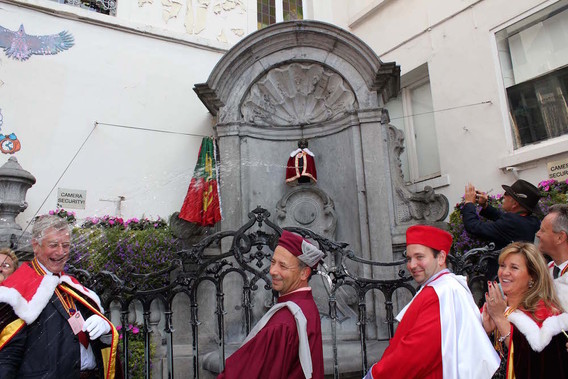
(291,42)
(309,79)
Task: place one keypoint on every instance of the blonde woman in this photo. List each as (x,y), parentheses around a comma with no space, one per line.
(526,318)
(8,263)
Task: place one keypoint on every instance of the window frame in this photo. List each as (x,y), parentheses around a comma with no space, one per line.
(279,10)
(410,81)
(520,153)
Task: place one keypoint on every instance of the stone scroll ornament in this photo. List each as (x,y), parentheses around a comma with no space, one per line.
(301,167)
(21,46)
(8,144)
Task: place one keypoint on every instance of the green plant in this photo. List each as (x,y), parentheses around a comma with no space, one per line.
(135,349)
(124,248)
(67,215)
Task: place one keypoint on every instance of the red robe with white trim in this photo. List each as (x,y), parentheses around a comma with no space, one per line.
(301,167)
(36,339)
(273,352)
(537,348)
(415,349)
(440,335)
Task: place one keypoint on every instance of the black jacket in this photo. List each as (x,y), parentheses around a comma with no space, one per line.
(502,228)
(47,348)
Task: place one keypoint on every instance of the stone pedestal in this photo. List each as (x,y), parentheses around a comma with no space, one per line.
(14,184)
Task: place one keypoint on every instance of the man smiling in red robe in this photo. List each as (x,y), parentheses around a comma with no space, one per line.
(286,343)
(440,334)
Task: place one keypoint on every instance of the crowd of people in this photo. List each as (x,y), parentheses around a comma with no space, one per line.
(51,326)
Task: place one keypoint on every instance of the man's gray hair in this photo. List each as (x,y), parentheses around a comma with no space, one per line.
(45,222)
(560,223)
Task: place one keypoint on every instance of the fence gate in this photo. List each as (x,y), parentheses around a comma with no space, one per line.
(188,327)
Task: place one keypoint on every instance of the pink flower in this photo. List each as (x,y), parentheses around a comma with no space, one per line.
(111,222)
(51,213)
(135,330)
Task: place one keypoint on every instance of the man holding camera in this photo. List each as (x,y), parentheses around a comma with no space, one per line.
(514,222)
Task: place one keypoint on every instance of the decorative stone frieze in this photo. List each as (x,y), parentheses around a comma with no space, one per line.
(309,207)
(297,94)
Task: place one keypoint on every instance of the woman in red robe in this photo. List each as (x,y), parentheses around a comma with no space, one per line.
(526,318)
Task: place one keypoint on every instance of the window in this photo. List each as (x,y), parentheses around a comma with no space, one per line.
(272,11)
(99,6)
(534,63)
(412,112)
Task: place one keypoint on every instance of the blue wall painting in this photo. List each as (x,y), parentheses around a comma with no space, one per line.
(8,144)
(21,46)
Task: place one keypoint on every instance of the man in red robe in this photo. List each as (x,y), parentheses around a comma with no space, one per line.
(50,325)
(440,334)
(286,343)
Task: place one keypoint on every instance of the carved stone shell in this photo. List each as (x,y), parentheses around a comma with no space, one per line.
(297,94)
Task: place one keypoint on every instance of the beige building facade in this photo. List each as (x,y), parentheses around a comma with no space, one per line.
(482,99)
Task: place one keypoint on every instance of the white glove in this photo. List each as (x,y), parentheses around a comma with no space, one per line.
(96,326)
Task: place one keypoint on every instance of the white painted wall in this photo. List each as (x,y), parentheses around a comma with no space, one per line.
(53,102)
(457,41)
(144,78)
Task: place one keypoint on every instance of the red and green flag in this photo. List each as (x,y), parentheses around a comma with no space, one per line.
(202,205)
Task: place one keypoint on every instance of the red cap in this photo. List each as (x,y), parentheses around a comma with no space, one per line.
(299,247)
(430,236)
(291,242)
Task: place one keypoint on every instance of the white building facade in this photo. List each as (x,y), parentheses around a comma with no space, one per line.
(483,92)
(483,89)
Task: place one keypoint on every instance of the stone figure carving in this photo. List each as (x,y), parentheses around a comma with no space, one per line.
(301,166)
(426,205)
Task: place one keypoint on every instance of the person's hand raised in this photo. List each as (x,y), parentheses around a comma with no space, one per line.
(469,195)
(487,321)
(496,302)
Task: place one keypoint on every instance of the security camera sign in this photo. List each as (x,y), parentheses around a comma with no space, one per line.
(558,170)
(70,198)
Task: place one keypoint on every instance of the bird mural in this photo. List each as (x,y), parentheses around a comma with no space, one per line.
(21,46)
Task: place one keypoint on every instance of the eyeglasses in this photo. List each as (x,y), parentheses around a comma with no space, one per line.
(6,265)
(54,245)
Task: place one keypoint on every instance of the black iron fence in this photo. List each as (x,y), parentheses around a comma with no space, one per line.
(234,266)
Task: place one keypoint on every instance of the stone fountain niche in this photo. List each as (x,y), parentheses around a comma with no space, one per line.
(314,81)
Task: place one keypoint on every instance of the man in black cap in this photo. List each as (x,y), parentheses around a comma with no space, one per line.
(514,222)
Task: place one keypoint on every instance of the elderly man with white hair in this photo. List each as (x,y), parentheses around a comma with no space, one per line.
(51,325)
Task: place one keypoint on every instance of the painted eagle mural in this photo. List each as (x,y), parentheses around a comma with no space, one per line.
(19,45)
